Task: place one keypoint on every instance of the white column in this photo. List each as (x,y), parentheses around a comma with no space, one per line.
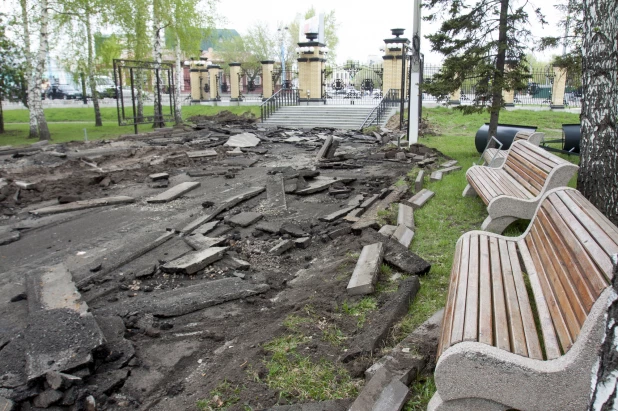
(415,75)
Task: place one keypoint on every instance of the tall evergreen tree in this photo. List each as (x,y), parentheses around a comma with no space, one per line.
(483,42)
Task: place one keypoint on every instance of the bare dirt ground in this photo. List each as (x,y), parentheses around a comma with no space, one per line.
(178,341)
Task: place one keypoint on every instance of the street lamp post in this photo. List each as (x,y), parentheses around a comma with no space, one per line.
(282,51)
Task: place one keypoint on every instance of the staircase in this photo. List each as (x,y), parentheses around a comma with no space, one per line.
(342,117)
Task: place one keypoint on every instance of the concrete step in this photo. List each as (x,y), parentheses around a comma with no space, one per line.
(344,117)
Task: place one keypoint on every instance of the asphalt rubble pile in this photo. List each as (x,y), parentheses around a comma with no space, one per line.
(282,212)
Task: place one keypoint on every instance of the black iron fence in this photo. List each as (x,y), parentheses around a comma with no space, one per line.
(392,98)
(283,97)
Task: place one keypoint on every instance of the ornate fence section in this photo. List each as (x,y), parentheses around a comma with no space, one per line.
(352,83)
(283,97)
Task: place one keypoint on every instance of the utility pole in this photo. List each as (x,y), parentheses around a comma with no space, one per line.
(415,76)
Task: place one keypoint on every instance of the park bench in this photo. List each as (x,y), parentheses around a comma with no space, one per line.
(525,315)
(494,157)
(513,190)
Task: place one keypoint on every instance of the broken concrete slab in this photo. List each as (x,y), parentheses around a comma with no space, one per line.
(243,140)
(200,242)
(194,262)
(366,271)
(208,227)
(185,300)
(57,311)
(403,235)
(244,219)
(449,170)
(239,162)
(212,171)
(370,217)
(371,392)
(356,201)
(233,201)
(303,242)
(236,152)
(174,192)
(24,185)
(47,398)
(159,176)
(254,150)
(318,184)
(448,164)
(120,350)
(293,230)
(108,382)
(388,230)
(324,149)
(281,247)
(61,381)
(393,397)
(334,405)
(82,205)
(397,255)
(340,232)
(370,201)
(234,263)
(275,192)
(418,182)
(436,176)
(198,222)
(420,198)
(7,236)
(354,215)
(405,216)
(201,153)
(337,214)
(6,404)
(269,227)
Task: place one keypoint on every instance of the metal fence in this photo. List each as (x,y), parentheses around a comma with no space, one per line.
(537,92)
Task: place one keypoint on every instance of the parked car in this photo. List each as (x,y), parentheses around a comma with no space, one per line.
(63,92)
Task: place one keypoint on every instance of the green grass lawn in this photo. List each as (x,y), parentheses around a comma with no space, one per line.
(448,215)
(68,124)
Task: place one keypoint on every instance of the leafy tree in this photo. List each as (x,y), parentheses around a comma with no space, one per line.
(487,35)
(12,83)
(106,50)
(330,33)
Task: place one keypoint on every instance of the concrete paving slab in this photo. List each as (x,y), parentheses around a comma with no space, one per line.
(159,176)
(324,149)
(340,232)
(396,254)
(449,170)
(239,162)
(318,184)
(370,201)
(174,192)
(293,230)
(418,182)
(275,192)
(337,214)
(448,164)
(198,222)
(244,219)
(282,247)
(7,237)
(388,230)
(194,262)
(405,216)
(200,242)
(403,235)
(393,397)
(436,176)
(303,242)
(234,263)
(233,201)
(269,227)
(420,198)
(201,153)
(243,140)
(24,185)
(366,271)
(370,217)
(82,205)
(356,201)
(208,227)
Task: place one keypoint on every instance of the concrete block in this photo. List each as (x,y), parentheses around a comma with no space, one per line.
(388,230)
(303,242)
(324,149)
(269,227)
(174,192)
(448,164)
(370,217)
(356,201)
(293,230)
(366,271)
(354,215)
(159,176)
(82,205)
(243,140)
(369,201)
(403,235)
(449,170)
(194,262)
(336,215)
(436,176)
(405,216)
(24,185)
(418,182)
(282,247)
(198,222)
(396,255)
(318,184)
(235,263)
(401,156)
(200,242)
(275,192)
(420,198)
(208,227)
(244,219)
(201,153)
(393,397)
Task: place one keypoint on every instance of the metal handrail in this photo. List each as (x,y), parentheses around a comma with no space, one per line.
(283,97)
(390,98)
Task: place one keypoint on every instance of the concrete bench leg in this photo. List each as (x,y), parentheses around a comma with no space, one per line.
(464,404)
(497,225)
(469,191)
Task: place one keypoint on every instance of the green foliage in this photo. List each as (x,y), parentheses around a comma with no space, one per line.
(360,309)
(12,83)
(221,398)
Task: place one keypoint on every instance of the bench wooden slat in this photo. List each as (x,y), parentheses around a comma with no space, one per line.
(516,327)
(542,161)
(476,183)
(599,235)
(515,171)
(582,270)
(561,262)
(553,291)
(501,328)
(447,323)
(533,171)
(533,345)
(550,339)
(492,184)
(460,302)
(505,185)
(485,303)
(472,294)
(610,229)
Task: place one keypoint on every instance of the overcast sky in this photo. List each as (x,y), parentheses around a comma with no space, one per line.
(362,26)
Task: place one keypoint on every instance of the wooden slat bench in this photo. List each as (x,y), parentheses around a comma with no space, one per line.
(513,190)
(525,315)
(494,157)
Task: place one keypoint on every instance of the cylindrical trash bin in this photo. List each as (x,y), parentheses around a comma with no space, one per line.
(571,134)
(505,134)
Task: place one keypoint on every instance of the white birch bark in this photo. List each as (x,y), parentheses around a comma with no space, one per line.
(34,86)
(179,83)
(34,129)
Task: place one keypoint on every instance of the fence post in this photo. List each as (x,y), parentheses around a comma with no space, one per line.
(393,73)
(235,81)
(454,98)
(194,77)
(204,82)
(214,84)
(557,91)
(267,79)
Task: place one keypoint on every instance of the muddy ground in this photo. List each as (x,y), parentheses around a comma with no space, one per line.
(169,357)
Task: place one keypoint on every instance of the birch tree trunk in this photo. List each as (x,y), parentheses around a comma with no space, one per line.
(156,50)
(35,88)
(91,80)
(34,130)
(598,173)
(179,83)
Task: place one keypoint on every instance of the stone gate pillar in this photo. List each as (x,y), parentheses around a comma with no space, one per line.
(311,63)
(392,73)
(454,99)
(508,95)
(204,82)
(557,90)
(235,81)
(267,79)
(194,77)
(214,82)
